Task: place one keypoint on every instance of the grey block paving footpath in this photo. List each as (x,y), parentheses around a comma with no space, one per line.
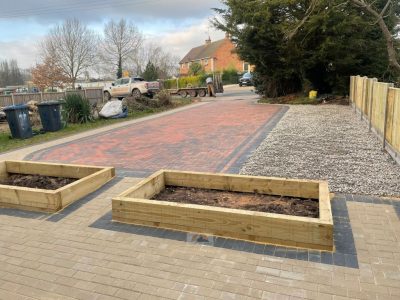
(80,253)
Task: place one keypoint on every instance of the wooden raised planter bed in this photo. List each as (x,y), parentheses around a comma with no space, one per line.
(88,180)
(134,207)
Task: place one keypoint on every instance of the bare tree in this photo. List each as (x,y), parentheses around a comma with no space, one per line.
(71,46)
(380,19)
(10,73)
(165,62)
(121,43)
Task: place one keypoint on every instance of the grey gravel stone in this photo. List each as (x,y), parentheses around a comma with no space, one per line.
(327,142)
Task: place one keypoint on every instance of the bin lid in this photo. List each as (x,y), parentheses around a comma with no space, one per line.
(51,102)
(16,107)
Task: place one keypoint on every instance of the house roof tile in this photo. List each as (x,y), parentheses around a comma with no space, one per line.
(200,52)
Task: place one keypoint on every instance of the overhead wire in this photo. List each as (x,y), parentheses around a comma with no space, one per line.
(63,8)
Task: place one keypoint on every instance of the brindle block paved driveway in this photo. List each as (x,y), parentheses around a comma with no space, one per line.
(216,136)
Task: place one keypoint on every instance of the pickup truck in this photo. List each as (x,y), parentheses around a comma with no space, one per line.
(135,87)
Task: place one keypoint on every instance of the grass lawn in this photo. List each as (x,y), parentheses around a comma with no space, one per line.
(7,143)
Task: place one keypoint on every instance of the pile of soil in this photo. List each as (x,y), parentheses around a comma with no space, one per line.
(247,201)
(37,181)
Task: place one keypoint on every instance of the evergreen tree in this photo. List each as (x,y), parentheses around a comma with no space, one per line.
(196,69)
(299,45)
(150,73)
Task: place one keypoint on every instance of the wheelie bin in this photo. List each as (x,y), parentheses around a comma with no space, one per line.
(18,121)
(51,115)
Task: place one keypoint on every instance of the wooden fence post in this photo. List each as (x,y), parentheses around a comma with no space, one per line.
(41,97)
(12,99)
(386,114)
(363,95)
(371,102)
(355,93)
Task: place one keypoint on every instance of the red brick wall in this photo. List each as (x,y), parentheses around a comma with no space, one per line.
(225,59)
(184,70)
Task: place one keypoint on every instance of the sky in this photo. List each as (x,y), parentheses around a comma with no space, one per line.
(178,25)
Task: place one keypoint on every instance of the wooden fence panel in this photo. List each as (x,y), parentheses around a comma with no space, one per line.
(379,106)
(5,101)
(389,115)
(53,96)
(368,95)
(359,86)
(94,95)
(25,98)
(393,118)
(379,103)
(352,89)
(79,92)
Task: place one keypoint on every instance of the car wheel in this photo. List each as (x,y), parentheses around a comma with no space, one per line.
(240,84)
(136,94)
(107,96)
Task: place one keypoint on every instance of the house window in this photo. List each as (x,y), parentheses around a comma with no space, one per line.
(245,67)
(205,61)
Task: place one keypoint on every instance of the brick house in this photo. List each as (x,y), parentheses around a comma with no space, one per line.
(214,57)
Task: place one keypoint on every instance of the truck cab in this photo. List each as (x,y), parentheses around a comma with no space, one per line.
(131,86)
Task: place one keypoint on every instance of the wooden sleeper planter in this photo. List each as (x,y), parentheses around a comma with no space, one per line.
(135,207)
(89,179)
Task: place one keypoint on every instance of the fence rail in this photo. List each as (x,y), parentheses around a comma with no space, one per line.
(94,95)
(379,104)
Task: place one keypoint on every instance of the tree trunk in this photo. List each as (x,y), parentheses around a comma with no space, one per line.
(392,54)
(119,72)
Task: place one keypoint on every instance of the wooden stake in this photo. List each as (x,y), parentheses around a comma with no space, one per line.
(386,113)
(364,93)
(370,103)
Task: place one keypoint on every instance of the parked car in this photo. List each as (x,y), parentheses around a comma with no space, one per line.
(135,87)
(246,79)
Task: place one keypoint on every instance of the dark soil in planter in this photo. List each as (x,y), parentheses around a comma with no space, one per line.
(247,201)
(37,181)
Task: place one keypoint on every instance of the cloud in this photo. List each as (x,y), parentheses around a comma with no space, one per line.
(177,25)
(25,51)
(50,11)
(179,42)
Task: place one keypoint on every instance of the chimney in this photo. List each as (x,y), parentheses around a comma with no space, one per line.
(208,41)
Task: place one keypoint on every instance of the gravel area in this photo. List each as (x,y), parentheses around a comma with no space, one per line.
(327,142)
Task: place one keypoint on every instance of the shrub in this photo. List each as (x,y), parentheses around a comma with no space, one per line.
(164,98)
(230,76)
(133,105)
(187,81)
(141,104)
(77,108)
(196,69)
